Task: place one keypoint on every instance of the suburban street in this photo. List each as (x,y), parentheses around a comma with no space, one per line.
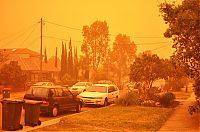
(45,117)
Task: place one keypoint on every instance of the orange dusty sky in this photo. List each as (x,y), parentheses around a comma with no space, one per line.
(138,18)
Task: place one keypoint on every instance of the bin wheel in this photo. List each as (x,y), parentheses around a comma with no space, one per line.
(39,122)
(54,111)
(20,127)
(78,108)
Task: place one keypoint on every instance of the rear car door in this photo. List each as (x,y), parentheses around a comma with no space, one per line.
(69,100)
(59,98)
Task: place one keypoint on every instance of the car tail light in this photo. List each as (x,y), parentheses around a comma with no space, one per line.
(45,103)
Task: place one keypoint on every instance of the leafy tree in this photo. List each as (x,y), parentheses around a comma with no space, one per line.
(184,24)
(95,42)
(11,74)
(3,57)
(123,53)
(146,69)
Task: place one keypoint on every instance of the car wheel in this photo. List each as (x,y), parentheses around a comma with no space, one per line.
(55,111)
(105,102)
(78,108)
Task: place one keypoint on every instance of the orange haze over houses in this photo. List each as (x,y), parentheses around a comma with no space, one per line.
(29,61)
(64,19)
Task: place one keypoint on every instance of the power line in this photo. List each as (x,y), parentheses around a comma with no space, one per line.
(150,37)
(18,36)
(63,26)
(160,47)
(154,43)
(109,34)
(22,30)
(62,39)
(28,36)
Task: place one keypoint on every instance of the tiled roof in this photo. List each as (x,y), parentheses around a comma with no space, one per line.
(30,63)
(19,51)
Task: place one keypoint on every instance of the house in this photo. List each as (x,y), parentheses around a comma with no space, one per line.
(29,62)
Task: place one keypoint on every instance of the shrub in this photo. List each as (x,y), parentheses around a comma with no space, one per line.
(197,88)
(166,99)
(129,98)
(177,83)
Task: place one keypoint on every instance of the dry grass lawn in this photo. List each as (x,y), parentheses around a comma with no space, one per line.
(114,118)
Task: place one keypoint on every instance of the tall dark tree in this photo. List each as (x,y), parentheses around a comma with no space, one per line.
(63,62)
(123,54)
(75,63)
(45,55)
(66,59)
(56,59)
(96,37)
(184,24)
(70,60)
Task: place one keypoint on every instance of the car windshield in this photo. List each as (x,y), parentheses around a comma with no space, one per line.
(39,84)
(101,89)
(38,92)
(105,82)
(80,84)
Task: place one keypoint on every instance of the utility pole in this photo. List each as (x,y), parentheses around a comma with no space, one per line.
(41,51)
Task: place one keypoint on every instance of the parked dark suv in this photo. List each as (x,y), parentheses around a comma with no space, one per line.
(55,99)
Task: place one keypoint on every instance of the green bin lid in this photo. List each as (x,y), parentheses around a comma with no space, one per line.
(12,100)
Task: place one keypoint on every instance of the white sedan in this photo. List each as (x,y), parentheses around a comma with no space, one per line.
(80,87)
(100,94)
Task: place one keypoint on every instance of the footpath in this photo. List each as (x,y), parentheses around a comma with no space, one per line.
(181,120)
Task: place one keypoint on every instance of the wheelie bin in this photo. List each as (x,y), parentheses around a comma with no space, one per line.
(32,112)
(6,92)
(11,114)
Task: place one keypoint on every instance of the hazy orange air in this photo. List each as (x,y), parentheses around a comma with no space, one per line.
(138,18)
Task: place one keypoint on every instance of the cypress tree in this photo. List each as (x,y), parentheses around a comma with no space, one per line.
(62,61)
(45,56)
(70,60)
(65,60)
(75,64)
(56,59)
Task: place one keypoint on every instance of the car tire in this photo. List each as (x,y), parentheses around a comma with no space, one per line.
(105,102)
(54,112)
(78,108)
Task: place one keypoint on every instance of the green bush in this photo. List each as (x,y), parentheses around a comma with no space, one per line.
(129,98)
(166,99)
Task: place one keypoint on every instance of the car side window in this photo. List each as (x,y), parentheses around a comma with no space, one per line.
(116,88)
(58,92)
(52,93)
(66,93)
(111,89)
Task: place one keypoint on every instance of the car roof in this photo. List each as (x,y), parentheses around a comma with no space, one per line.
(104,85)
(49,87)
(83,82)
(44,82)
